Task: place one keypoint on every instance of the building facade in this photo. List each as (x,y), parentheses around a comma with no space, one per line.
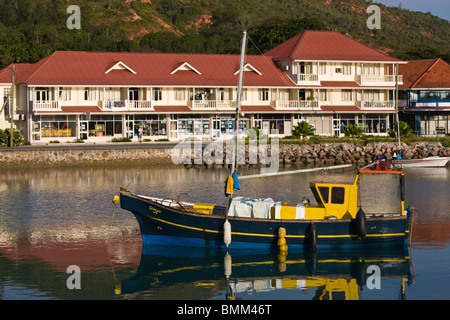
(425,96)
(323,77)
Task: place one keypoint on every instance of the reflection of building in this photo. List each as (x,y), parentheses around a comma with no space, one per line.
(424,97)
(323,77)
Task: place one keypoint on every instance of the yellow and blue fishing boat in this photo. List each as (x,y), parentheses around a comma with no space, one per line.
(336,221)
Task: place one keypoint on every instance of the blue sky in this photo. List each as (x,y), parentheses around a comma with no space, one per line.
(440,8)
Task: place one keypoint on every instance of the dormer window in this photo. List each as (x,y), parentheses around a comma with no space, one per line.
(184,66)
(119,65)
(249,67)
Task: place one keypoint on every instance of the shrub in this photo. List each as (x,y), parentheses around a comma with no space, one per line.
(303,129)
(124,139)
(405,130)
(5,138)
(354,131)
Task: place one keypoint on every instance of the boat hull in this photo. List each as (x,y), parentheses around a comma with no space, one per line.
(161,225)
(432,162)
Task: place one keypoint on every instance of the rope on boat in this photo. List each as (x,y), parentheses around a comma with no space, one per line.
(116,201)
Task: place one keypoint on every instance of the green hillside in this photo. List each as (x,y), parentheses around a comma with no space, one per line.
(31,30)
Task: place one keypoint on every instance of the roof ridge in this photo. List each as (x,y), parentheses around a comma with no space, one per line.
(367,46)
(40,65)
(425,72)
(424,59)
(298,42)
(154,53)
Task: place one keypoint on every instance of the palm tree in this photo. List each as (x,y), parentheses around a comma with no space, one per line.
(353,131)
(303,129)
(405,130)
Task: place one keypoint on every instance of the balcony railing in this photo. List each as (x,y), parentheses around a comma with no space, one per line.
(140,105)
(52,105)
(372,105)
(296,105)
(306,77)
(114,104)
(365,79)
(212,105)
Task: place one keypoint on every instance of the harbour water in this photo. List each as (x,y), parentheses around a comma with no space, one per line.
(51,219)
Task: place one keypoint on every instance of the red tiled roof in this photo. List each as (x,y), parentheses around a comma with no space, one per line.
(21,70)
(66,68)
(327,46)
(431,73)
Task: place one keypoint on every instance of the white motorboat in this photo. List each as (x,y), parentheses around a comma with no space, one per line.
(430,162)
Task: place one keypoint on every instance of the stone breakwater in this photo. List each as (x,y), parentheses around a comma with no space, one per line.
(350,153)
(91,155)
(317,155)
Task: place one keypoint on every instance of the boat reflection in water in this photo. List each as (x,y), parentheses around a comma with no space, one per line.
(333,275)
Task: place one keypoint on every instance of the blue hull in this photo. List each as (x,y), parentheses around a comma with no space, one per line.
(161,225)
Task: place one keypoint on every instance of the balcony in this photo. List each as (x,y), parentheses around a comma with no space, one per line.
(384,80)
(51,105)
(296,105)
(375,105)
(126,105)
(307,79)
(140,105)
(212,105)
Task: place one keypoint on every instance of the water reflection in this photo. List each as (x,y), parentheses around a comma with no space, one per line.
(219,275)
(52,218)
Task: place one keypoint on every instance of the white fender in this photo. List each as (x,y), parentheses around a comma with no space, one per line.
(227,233)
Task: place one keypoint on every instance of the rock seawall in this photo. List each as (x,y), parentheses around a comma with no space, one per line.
(318,155)
(76,156)
(346,153)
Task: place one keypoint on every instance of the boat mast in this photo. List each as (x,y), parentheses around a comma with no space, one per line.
(396,109)
(238,102)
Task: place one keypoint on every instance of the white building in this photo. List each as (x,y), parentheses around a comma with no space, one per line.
(322,77)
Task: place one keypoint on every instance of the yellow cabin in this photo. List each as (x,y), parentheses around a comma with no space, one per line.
(335,200)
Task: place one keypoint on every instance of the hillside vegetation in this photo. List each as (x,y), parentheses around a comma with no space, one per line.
(30,30)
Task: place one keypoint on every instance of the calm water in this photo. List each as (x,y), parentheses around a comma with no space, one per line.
(54,218)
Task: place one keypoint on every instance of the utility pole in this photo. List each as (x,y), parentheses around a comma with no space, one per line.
(11,133)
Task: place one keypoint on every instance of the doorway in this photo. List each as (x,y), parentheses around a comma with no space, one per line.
(84,132)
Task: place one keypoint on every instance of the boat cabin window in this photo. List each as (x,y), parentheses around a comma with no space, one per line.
(324,193)
(316,195)
(337,195)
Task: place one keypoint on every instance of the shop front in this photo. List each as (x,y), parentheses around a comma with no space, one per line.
(151,126)
(433,124)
